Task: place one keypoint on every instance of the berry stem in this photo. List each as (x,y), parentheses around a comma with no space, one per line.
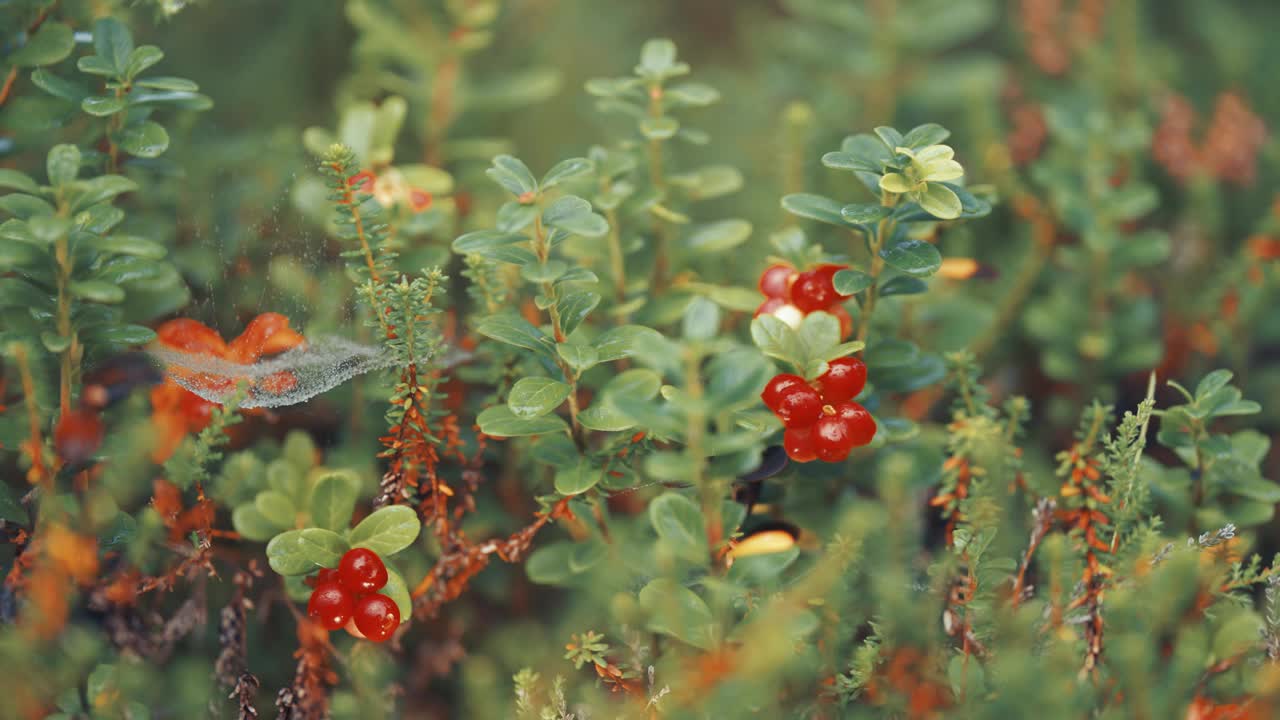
(883,231)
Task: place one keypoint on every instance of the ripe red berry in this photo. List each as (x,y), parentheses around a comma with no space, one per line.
(326,575)
(844,379)
(361,571)
(330,606)
(862,427)
(813,290)
(799,406)
(77,436)
(798,442)
(775,280)
(769,306)
(772,394)
(832,439)
(377,617)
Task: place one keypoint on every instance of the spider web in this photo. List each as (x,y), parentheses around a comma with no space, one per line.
(287,379)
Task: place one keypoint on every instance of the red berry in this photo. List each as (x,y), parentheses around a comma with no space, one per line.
(813,289)
(330,606)
(772,394)
(77,436)
(769,306)
(799,406)
(775,280)
(844,379)
(325,576)
(832,439)
(362,571)
(862,427)
(798,442)
(377,617)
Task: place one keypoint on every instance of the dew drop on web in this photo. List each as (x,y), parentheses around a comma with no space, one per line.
(286,379)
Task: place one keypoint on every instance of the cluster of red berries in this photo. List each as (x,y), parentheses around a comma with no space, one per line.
(347,596)
(791,295)
(822,422)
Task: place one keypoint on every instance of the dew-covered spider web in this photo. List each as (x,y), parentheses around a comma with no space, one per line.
(286,379)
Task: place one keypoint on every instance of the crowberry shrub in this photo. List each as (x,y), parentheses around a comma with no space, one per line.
(515,366)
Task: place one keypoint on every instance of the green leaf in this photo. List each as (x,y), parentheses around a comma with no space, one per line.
(815,207)
(94,65)
(112,42)
(495,245)
(565,170)
(777,340)
(16,292)
(865,214)
(1212,382)
(550,564)
(578,479)
(903,285)
(843,160)
(14,180)
(659,128)
(142,58)
(499,421)
(54,342)
(101,106)
(324,547)
(25,207)
(890,137)
(719,236)
(333,500)
(624,341)
(397,591)
(574,308)
(851,282)
(657,57)
(97,291)
(19,254)
(171,84)
(62,164)
(513,175)
(387,531)
(286,556)
(58,86)
(52,43)
(676,611)
(145,139)
(533,397)
(131,245)
(253,525)
(276,507)
(679,522)
(634,385)
(913,257)
(701,319)
(939,201)
(580,357)
(515,330)
(573,215)
(120,335)
(103,188)
(691,94)
(925,135)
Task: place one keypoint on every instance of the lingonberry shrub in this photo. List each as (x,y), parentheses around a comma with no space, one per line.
(475,359)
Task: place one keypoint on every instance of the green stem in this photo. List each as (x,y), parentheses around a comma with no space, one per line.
(695,438)
(884,229)
(543,251)
(659,182)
